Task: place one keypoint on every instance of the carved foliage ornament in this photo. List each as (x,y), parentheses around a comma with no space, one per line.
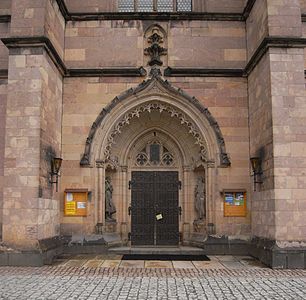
(155,50)
(148,107)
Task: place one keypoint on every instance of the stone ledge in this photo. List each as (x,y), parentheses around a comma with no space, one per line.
(221,245)
(275,257)
(48,249)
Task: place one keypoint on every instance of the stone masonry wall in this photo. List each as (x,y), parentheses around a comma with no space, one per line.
(257,26)
(261,145)
(33,99)
(55,26)
(276,97)
(207,44)
(190,44)
(289,117)
(38,18)
(303,6)
(5,7)
(226,99)
(284,18)
(50,145)
(28,17)
(3,98)
(33,129)
(4,30)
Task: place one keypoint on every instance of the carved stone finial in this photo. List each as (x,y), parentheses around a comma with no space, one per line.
(155,50)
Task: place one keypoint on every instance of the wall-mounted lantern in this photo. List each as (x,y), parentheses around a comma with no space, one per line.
(56,163)
(257,171)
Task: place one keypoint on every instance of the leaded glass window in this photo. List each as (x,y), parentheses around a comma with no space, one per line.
(154,5)
(145,5)
(183,5)
(165,5)
(126,6)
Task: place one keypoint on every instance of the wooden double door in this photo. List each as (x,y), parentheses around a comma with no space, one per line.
(155,208)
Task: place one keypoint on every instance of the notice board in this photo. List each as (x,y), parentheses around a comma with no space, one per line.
(235,204)
(76,202)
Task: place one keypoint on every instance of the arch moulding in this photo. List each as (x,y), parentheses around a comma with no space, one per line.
(155,94)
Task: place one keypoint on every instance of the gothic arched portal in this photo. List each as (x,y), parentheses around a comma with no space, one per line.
(166,140)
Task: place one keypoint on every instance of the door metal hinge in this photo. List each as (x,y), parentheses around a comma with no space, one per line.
(179,185)
(130,210)
(129,236)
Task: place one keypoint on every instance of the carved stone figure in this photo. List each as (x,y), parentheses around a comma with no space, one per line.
(199,201)
(110,208)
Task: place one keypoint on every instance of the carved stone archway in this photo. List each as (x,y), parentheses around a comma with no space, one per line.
(155,94)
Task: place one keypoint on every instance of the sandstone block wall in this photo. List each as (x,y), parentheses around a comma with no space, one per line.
(5,7)
(207,44)
(303,6)
(28,17)
(55,26)
(190,44)
(289,116)
(3,98)
(93,43)
(4,31)
(33,127)
(38,18)
(226,99)
(33,123)
(284,18)
(261,145)
(276,90)
(257,26)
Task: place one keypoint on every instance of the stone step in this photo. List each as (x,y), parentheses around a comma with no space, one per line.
(182,250)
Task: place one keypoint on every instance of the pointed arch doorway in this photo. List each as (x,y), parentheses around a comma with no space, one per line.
(155,136)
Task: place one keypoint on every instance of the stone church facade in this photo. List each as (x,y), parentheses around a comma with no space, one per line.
(156,108)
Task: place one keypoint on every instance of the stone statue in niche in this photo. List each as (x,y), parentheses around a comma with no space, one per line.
(110,207)
(199,198)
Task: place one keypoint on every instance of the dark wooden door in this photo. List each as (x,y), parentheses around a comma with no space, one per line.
(155,195)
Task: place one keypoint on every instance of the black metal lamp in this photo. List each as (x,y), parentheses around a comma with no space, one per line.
(56,163)
(257,171)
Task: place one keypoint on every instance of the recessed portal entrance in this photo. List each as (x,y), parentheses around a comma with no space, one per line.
(155,208)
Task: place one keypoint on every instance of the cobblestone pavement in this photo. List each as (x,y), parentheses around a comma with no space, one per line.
(99,277)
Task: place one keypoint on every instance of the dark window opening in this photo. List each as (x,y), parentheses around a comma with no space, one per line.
(155,153)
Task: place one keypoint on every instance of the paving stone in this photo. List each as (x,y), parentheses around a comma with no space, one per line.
(94,263)
(164,280)
(183,265)
(158,264)
(132,264)
(208,265)
(111,263)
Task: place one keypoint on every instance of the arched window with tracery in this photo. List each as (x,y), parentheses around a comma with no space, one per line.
(155,154)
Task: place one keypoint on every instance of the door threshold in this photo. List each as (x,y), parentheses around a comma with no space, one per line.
(180,250)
